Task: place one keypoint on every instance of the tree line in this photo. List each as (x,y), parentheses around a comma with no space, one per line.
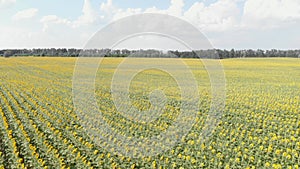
(210,53)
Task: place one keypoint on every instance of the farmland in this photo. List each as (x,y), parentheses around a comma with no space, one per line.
(260,125)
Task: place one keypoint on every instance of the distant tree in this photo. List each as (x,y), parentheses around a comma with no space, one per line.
(176,53)
(232,53)
(260,53)
(8,53)
(125,52)
(209,53)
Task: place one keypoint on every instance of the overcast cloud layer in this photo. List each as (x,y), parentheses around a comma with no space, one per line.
(228,24)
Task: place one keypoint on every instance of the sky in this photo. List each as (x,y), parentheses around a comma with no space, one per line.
(239,24)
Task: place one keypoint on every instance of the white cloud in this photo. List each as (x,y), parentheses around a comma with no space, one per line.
(108,7)
(52,20)
(75,32)
(89,15)
(113,13)
(25,14)
(123,13)
(6,3)
(222,15)
(176,8)
(219,16)
(228,23)
(271,13)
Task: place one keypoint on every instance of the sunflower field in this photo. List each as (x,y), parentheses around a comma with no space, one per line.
(259,127)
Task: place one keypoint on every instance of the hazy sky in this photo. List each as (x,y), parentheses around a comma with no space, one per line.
(228,24)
